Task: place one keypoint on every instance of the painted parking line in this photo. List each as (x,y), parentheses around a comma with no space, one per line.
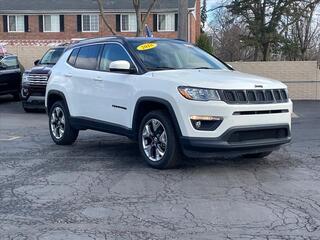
(10,138)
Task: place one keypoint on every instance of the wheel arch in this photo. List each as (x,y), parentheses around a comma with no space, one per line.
(54,96)
(147,104)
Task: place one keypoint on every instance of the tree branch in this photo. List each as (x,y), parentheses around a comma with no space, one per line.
(104,18)
(148,12)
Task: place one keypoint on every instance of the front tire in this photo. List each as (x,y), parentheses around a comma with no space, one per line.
(62,133)
(158,142)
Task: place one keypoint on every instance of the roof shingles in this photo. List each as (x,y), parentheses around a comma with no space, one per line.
(45,6)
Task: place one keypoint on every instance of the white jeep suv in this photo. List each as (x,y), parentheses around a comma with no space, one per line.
(168,95)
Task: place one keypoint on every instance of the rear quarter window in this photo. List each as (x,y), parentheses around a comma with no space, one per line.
(73,57)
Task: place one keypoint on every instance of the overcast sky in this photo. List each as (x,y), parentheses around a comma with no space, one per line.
(211,2)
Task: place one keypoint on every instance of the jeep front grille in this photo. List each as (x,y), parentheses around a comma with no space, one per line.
(259,134)
(38,79)
(254,96)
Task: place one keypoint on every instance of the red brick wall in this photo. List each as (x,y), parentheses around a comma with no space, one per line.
(70,30)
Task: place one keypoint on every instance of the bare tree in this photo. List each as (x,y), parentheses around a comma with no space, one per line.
(264,18)
(142,21)
(306,31)
(104,17)
(301,40)
(227,36)
(204,15)
(183,19)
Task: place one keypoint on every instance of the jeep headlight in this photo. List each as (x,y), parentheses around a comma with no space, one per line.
(25,78)
(199,94)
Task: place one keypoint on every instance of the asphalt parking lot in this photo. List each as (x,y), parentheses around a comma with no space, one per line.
(100,188)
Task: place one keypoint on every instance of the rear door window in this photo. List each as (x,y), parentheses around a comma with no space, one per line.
(88,57)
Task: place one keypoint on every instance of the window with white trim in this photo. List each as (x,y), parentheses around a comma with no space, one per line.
(51,23)
(128,22)
(90,23)
(166,22)
(15,23)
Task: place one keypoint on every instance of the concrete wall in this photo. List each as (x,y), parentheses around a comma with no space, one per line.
(302,78)
(27,54)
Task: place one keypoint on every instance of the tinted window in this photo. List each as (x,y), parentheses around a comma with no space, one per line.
(73,56)
(87,57)
(52,56)
(113,52)
(9,63)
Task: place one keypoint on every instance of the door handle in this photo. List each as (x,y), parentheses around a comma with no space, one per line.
(68,75)
(97,79)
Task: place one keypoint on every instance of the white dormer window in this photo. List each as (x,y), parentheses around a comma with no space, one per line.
(15,23)
(166,22)
(51,23)
(128,22)
(90,23)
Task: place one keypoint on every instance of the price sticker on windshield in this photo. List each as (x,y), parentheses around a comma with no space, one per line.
(147,46)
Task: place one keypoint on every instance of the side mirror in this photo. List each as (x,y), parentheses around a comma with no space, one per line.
(121,66)
(36,62)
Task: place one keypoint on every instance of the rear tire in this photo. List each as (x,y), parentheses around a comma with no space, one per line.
(62,133)
(257,155)
(158,142)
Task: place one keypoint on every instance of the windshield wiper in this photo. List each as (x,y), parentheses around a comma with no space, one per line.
(202,68)
(48,63)
(160,68)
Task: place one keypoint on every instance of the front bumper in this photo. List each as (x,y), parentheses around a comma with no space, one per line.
(238,141)
(228,113)
(34,102)
(33,96)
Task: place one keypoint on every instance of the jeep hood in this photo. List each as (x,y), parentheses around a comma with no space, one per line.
(41,69)
(217,79)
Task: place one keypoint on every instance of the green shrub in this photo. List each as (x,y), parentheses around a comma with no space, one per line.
(204,42)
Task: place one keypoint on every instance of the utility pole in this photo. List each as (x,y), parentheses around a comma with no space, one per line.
(183,20)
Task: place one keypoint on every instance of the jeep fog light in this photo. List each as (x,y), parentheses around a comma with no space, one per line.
(206,123)
(24,92)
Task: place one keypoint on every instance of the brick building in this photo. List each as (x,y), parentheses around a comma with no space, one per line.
(62,20)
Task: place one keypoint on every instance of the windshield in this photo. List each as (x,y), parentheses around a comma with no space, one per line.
(171,54)
(52,56)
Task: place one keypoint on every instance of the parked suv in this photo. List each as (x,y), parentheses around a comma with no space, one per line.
(10,75)
(168,95)
(34,81)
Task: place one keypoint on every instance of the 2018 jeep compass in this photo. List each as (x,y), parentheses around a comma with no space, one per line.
(170,96)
